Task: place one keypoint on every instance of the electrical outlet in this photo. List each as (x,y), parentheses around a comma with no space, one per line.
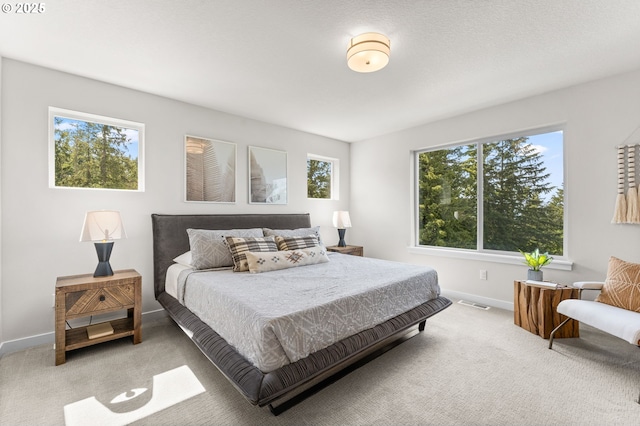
(483,274)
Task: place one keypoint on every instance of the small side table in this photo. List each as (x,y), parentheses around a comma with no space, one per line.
(352,250)
(534,309)
(83,295)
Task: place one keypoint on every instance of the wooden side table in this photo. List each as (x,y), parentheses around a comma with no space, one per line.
(535,309)
(352,250)
(83,295)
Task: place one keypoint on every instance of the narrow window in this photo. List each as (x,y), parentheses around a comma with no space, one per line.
(322,177)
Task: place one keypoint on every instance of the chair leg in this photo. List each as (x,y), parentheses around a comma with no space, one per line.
(556,329)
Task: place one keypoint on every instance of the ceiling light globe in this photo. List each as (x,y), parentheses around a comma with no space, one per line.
(368,52)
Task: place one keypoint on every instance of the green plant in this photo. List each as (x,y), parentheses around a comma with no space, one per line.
(536,260)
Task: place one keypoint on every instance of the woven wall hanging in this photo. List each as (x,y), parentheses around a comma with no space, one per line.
(627,209)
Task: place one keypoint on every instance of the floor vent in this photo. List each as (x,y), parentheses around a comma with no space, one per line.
(474,305)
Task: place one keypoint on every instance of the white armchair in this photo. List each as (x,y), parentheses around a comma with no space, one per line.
(619,322)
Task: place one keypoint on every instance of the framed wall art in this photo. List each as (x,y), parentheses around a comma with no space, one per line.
(210,169)
(267,176)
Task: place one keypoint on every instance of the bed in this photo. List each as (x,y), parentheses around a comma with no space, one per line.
(282,384)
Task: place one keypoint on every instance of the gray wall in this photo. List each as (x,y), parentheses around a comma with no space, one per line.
(41,226)
(597,117)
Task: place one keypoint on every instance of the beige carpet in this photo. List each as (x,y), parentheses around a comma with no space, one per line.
(469,367)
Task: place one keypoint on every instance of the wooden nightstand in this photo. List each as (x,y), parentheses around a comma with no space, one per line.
(352,250)
(83,295)
(534,309)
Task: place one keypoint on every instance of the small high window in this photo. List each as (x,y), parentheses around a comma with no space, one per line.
(92,151)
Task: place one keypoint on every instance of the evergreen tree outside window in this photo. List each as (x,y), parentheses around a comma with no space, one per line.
(322,179)
(502,195)
(96,152)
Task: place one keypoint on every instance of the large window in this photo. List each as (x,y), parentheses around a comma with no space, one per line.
(322,177)
(92,151)
(500,195)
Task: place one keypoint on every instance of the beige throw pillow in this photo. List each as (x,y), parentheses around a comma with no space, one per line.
(265,262)
(622,286)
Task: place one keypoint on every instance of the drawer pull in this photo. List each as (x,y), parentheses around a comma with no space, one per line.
(102,298)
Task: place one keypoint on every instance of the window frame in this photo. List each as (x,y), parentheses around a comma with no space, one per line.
(335,176)
(98,119)
(481,254)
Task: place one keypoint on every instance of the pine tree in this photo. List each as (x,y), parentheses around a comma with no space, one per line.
(517,212)
(318,179)
(93,155)
(514,180)
(447,211)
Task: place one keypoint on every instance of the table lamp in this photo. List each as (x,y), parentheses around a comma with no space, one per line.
(103,227)
(341,221)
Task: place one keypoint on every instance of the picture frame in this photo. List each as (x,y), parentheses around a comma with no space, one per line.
(210,170)
(267,176)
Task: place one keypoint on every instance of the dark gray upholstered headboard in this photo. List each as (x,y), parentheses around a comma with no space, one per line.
(170,237)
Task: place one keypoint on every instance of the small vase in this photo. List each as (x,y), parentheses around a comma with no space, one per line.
(534,275)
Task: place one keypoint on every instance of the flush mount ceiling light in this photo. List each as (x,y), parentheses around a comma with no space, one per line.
(368,52)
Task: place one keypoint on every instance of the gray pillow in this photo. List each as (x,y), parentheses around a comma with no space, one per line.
(209,247)
(300,232)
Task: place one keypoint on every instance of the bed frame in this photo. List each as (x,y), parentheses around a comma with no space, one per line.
(282,388)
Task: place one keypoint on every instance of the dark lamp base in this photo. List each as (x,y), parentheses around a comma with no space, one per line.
(341,233)
(104,253)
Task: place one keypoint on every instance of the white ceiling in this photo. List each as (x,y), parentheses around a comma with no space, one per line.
(284,61)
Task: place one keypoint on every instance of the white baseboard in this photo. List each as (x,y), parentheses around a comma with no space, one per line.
(478,299)
(11,346)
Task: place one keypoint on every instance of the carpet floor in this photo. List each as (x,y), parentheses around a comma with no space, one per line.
(469,366)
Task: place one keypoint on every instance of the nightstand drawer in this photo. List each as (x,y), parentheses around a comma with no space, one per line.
(99,299)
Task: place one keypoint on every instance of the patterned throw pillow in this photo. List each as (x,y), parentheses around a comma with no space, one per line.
(265,262)
(240,246)
(209,247)
(300,232)
(296,243)
(622,286)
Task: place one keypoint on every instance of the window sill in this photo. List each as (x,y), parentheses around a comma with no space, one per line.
(558,263)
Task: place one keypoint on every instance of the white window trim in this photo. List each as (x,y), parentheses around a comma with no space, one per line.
(335,175)
(559,262)
(93,118)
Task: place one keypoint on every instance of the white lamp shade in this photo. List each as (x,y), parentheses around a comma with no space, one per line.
(341,219)
(102,225)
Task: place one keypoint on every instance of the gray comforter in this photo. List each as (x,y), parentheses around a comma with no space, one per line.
(279,317)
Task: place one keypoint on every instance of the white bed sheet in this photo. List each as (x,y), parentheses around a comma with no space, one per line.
(171,279)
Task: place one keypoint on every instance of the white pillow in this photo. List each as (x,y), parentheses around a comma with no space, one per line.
(184,259)
(273,261)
